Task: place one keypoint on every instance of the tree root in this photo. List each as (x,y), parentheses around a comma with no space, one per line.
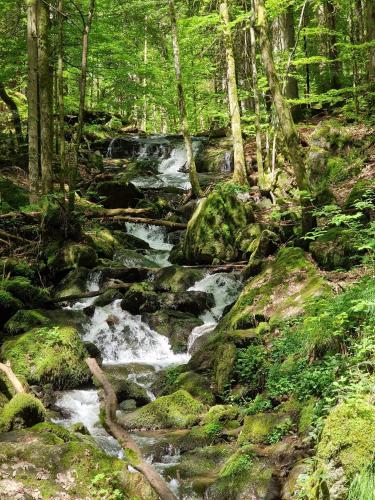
(126,441)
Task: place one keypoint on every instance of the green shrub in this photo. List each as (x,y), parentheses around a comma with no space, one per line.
(251,366)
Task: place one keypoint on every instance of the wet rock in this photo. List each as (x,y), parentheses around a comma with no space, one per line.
(24,320)
(61,260)
(74,283)
(176,279)
(107,298)
(93,351)
(112,320)
(128,405)
(23,410)
(118,194)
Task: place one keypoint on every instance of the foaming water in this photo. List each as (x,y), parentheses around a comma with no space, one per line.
(84,406)
(156,237)
(123,338)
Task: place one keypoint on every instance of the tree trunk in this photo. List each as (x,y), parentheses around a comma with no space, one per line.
(32,99)
(82,98)
(45,97)
(370,16)
(332,51)
(284,115)
(239,174)
(17,386)
(260,164)
(13,109)
(184,125)
(288,41)
(60,94)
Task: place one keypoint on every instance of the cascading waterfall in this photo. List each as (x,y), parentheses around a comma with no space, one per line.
(156,237)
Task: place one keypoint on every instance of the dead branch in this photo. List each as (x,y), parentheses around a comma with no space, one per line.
(118,285)
(11,236)
(153,222)
(7,369)
(126,441)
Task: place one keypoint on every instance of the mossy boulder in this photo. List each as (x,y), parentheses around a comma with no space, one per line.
(221,414)
(12,267)
(24,320)
(12,196)
(23,410)
(141,298)
(176,325)
(124,387)
(362,189)
(257,428)
(215,156)
(337,248)
(178,410)
(25,291)
(176,279)
(74,283)
(130,241)
(118,194)
(9,305)
(48,355)
(280,291)
(107,297)
(103,242)
(71,256)
(225,357)
(345,448)
(213,231)
(195,384)
(48,461)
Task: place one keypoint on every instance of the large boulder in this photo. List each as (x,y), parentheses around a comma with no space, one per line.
(48,355)
(23,410)
(178,410)
(214,232)
(71,256)
(125,388)
(118,194)
(176,279)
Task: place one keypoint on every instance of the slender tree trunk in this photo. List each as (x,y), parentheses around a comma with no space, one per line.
(332,51)
(82,98)
(184,125)
(145,60)
(60,94)
(13,109)
(288,40)
(32,98)
(239,174)
(261,176)
(45,97)
(370,17)
(284,115)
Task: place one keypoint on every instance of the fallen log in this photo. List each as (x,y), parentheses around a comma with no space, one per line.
(225,268)
(7,369)
(153,222)
(11,236)
(96,213)
(127,442)
(87,295)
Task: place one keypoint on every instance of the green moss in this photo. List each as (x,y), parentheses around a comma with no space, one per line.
(22,289)
(23,410)
(103,242)
(8,306)
(11,195)
(178,410)
(196,385)
(11,267)
(24,320)
(257,428)
(337,248)
(176,279)
(53,355)
(54,429)
(225,357)
(307,415)
(281,291)
(220,414)
(71,256)
(213,230)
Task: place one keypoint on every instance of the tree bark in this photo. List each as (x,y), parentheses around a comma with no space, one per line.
(184,124)
(370,17)
(82,98)
(13,109)
(332,51)
(239,173)
(288,41)
(45,97)
(290,136)
(7,369)
(60,94)
(126,441)
(258,137)
(32,99)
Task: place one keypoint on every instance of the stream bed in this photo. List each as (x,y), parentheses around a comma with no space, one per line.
(132,345)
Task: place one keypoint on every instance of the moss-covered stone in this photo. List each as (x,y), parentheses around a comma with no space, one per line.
(12,267)
(23,410)
(71,256)
(104,243)
(24,290)
(281,291)
(107,297)
(118,194)
(220,414)
(12,196)
(307,415)
(125,388)
(141,298)
(178,410)
(225,357)
(176,279)
(213,230)
(51,463)
(54,355)
(215,156)
(195,384)
(24,320)
(257,428)
(73,283)
(362,189)
(8,306)
(337,248)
